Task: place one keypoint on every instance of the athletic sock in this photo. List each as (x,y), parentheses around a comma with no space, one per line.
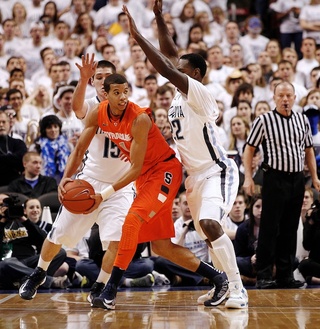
(224,251)
(207,270)
(103,277)
(43,264)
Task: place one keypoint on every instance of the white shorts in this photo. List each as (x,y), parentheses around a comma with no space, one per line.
(211,194)
(68,229)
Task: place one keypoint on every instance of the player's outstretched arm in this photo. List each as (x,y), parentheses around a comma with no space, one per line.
(160,62)
(87,70)
(167,46)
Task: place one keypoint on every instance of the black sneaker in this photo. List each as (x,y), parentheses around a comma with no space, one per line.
(28,289)
(290,284)
(266,284)
(95,291)
(107,298)
(220,293)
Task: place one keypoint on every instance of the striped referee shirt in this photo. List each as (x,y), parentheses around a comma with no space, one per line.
(283,139)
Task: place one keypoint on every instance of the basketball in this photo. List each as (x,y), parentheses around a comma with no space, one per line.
(77,197)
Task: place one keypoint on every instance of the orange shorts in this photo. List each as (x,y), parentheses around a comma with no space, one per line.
(156,190)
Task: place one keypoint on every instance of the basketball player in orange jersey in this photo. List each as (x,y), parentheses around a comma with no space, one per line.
(101,166)
(157,175)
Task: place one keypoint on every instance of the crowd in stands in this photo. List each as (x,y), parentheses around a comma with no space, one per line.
(41,44)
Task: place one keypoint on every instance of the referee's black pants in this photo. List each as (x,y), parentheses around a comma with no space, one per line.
(282,197)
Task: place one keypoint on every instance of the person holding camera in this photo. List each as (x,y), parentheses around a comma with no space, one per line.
(185,235)
(310,266)
(21,242)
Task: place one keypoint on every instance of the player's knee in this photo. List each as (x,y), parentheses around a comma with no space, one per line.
(211,228)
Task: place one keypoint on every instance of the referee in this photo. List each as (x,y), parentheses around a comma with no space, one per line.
(286,140)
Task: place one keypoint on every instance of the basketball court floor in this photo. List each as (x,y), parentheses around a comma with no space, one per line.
(160,308)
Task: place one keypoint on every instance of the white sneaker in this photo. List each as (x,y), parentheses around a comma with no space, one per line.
(206,296)
(237,299)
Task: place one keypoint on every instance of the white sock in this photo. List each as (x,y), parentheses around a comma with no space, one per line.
(224,252)
(42,264)
(103,276)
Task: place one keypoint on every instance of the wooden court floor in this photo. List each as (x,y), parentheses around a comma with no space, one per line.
(158,308)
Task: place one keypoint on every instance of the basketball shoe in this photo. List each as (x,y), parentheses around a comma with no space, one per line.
(238,297)
(220,292)
(95,291)
(28,289)
(107,298)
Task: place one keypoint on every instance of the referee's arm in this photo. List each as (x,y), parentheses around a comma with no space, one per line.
(312,166)
(248,184)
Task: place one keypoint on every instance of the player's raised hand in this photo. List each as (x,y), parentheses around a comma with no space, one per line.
(157,7)
(88,67)
(132,25)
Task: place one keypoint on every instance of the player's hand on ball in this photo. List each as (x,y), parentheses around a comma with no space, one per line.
(61,189)
(97,200)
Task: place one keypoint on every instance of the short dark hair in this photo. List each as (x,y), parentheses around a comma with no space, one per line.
(196,61)
(114,78)
(104,63)
(13,91)
(47,121)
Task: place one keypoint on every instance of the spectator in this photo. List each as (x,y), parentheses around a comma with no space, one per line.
(23,121)
(309,20)
(33,211)
(308,199)
(264,60)
(245,243)
(71,125)
(308,60)
(231,37)
(32,184)
(11,152)
(176,209)
(19,14)
(70,16)
(31,47)
(53,147)
(257,172)
(210,36)
(291,55)
(21,241)
(182,22)
(84,31)
(70,48)
(310,266)
(274,51)
(240,129)
(253,38)
(217,71)
(260,108)
(236,216)
(287,13)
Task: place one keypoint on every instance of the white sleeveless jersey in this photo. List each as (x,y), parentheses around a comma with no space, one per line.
(101,160)
(192,118)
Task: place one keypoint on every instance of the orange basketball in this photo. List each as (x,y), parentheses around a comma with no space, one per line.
(77,197)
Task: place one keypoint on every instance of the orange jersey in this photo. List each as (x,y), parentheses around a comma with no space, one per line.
(119,132)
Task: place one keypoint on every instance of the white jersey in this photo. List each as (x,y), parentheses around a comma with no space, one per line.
(101,160)
(192,118)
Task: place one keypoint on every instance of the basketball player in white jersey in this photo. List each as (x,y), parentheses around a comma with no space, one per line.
(213,179)
(101,167)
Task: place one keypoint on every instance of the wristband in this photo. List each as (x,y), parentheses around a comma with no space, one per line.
(107,192)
